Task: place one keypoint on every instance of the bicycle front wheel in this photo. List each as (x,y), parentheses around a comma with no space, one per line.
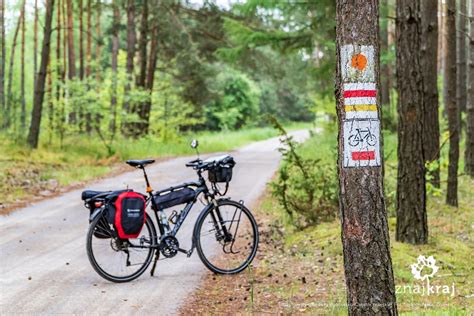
(119,260)
(226,237)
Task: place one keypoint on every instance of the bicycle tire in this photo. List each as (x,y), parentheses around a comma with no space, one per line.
(199,243)
(91,234)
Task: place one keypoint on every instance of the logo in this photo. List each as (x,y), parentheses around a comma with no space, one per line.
(423,266)
(424,270)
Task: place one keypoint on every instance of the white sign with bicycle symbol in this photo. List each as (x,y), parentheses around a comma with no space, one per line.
(361,143)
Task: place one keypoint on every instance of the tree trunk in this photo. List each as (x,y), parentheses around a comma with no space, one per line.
(33,135)
(98,44)
(22,71)
(59,68)
(126,127)
(150,78)
(2,61)
(115,48)
(412,224)
(81,42)
(429,67)
(143,45)
(35,43)
(441,40)
(10,73)
(462,33)
(89,39)
(385,70)
(70,41)
(367,261)
(469,152)
(452,108)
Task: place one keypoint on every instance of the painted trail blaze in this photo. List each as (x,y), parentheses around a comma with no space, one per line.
(361,127)
(363,155)
(360,100)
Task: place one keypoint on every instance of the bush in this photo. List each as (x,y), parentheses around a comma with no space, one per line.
(306,184)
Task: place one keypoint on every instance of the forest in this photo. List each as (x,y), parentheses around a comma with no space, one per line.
(86,84)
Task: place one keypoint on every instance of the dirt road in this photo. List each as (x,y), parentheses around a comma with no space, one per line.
(44,267)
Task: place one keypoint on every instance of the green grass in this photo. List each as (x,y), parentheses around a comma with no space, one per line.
(451,241)
(25,172)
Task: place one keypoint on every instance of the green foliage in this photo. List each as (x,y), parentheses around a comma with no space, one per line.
(237,101)
(306,185)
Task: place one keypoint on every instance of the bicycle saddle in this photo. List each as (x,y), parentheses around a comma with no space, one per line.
(87,194)
(140,163)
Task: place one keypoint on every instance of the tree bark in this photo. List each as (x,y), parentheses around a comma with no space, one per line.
(115,48)
(70,41)
(2,61)
(81,41)
(150,78)
(22,71)
(9,106)
(143,45)
(429,60)
(462,33)
(126,127)
(89,39)
(98,45)
(452,107)
(34,132)
(35,43)
(469,152)
(59,68)
(367,261)
(412,224)
(385,70)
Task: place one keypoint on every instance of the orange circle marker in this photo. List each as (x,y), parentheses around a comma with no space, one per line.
(359,61)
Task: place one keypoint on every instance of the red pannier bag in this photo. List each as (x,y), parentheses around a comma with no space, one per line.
(130,214)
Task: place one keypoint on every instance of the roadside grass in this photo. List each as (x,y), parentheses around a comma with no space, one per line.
(25,172)
(302,271)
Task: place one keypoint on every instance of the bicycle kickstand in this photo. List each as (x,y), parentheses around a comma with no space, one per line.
(157,256)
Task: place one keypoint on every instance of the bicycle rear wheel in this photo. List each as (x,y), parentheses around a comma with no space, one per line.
(226,237)
(119,260)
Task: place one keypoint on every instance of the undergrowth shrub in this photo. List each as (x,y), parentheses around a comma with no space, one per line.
(306,183)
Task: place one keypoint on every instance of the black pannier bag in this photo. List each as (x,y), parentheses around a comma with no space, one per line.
(222,172)
(175,197)
(129,215)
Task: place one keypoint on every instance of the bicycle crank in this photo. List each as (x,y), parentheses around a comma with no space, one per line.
(169,246)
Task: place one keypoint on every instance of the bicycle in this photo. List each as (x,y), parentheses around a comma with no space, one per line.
(222,224)
(361,136)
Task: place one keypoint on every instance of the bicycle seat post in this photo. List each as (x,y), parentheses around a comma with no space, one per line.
(148,186)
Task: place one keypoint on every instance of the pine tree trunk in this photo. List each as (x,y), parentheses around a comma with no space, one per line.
(22,71)
(70,41)
(115,48)
(366,248)
(126,127)
(140,108)
(412,224)
(98,45)
(34,132)
(9,107)
(452,107)
(469,152)
(143,45)
(89,39)
(81,41)
(385,67)
(429,60)
(35,44)
(462,32)
(2,61)
(59,68)
(145,114)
